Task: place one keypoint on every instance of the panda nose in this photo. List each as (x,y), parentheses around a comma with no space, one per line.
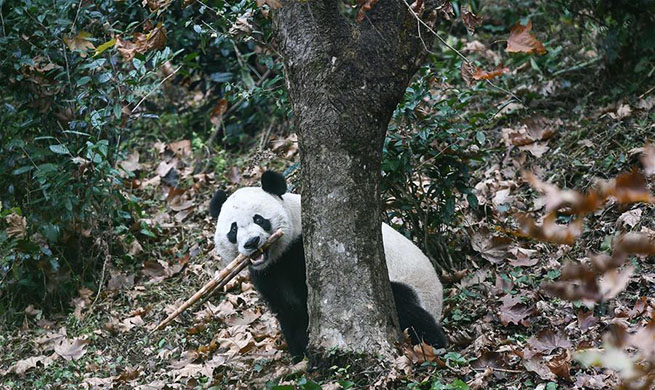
(252,243)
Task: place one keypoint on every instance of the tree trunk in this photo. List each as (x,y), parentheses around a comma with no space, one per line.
(345,80)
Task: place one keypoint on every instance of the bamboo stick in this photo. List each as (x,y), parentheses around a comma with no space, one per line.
(220,280)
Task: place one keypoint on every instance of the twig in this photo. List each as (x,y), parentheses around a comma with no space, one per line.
(105,249)
(77,13)
(647,92)
(155,88)
(443,41)
(577,66)
(2,19)
(220,280)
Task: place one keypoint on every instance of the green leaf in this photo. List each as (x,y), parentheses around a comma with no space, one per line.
(147,233)
(59,149)
(83,80)
(21,170)
(459,384)
(100,49)
(103,77)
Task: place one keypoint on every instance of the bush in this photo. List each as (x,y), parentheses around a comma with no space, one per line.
(626,31)
(67,97)
(433,136)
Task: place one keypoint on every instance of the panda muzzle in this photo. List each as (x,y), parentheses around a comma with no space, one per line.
(258,257)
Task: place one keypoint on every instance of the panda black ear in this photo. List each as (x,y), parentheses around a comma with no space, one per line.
(274,183)
(216,203)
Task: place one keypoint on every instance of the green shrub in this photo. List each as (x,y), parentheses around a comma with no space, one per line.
(67,98)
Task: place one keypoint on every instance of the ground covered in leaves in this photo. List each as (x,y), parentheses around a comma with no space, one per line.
(509,322)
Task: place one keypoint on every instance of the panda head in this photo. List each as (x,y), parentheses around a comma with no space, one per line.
(249,216)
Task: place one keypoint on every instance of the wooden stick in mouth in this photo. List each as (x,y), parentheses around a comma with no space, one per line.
(220,280)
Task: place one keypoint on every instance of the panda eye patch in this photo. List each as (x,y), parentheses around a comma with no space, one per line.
(232,234)
(263,222)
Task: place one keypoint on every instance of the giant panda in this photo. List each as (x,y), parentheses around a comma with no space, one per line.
(250,215)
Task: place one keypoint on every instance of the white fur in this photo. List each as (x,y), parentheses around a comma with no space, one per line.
(405,261)
(241,207)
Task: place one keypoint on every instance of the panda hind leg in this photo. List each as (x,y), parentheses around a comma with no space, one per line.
(420,324)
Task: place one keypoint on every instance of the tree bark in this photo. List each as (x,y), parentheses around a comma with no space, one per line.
(345,80)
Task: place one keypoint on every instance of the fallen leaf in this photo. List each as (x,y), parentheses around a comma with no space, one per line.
(492,248)
(71,349)
(521,40)
(545,342)
(560,365)
(549,230)
(586,320)
(181,148)
(131,164)
(614,281)
(514,311)
(20,367)
(629,218)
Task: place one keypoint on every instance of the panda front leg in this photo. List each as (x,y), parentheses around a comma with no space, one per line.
(294,325)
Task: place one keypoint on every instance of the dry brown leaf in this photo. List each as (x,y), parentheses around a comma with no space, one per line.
(155,39)
(216,114)
(20,367)
(480,74)
(629,218)
(246,318)
(80,43)
(164,167)
(493,248)
(467,71)
(545,342)
(17,225)
(586,320)
(614,281)
(514,311)
(521,40)
(98,383)
(233,175)
(549,230)
(155,5)
(71,349)
(540,368)
(560,365)
(130,322)
(120,281)
(131,164)
(471,21)
(181,148)
(365,6)
(648,160)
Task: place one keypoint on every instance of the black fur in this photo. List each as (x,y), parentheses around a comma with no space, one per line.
(263,222)
(216,203)
(282,285)
(420,325)
(274,183)
(232,234)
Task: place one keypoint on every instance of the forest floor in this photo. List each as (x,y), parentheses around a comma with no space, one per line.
(504,330)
